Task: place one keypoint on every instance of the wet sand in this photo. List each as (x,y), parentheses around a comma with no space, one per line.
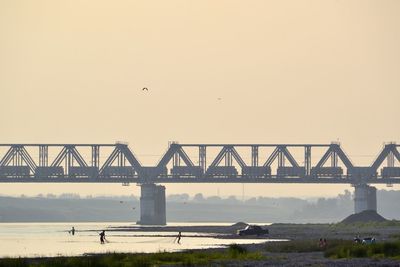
(280,231)
(291,232)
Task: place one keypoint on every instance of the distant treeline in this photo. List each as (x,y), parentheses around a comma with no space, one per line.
(184,208)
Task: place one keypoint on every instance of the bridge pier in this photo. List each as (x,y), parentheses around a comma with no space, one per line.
(364,198)
(152,204)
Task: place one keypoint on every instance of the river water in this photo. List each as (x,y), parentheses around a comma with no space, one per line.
(53,239)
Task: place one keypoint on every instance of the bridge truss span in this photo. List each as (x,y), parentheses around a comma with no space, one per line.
(195,163)
(67,162)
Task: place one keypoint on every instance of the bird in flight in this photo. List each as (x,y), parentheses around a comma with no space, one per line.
(145,89)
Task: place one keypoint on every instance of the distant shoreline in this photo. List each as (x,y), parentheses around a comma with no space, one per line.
(182,208)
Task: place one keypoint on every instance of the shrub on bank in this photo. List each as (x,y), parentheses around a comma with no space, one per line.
(388,223)
(377,250)
(235,250)
(300,246)
(293,246)
(187,258)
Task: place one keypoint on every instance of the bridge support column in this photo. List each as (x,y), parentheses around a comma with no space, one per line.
(364,198)
(152,205)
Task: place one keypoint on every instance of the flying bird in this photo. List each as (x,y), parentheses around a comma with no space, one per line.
(145,89)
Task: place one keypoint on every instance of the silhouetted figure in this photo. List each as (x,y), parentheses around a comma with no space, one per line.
(179,237)
(73,231)
(102,237)
(321,243)
(145,89)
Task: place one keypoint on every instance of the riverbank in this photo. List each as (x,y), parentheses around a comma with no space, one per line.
(289,253)
(302,249)
(383,231)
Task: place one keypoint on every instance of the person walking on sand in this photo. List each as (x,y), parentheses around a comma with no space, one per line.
(73,230)
(102,237)
(179,237)
(321,243)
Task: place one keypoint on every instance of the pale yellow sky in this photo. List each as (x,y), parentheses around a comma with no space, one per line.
(286,71)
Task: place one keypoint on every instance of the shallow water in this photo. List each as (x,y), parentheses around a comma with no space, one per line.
(53,239)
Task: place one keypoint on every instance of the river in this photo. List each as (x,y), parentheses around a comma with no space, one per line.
(53,239)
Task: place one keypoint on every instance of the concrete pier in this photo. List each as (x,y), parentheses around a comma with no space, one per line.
(364,198)
(152,205)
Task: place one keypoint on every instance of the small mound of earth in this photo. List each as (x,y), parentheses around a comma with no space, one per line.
(365,216)
(239,224)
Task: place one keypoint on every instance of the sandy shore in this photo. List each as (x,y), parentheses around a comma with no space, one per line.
(280,231)
(291,232)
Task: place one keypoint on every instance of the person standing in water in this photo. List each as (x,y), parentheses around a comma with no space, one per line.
(102,237)
(73,230)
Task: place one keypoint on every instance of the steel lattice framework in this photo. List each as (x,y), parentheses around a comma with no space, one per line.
(31,163)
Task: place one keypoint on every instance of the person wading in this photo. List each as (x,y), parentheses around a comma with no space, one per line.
(102,237)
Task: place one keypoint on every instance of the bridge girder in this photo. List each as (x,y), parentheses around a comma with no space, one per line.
(18,164)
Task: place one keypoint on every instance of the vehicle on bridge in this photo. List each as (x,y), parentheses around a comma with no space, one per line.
(252,171)
(365,172)
(388,172)
(14,171)
(327,171)
(83,172)
(222,171)
(118,171)
(49,172)
(291,171)
(186,171)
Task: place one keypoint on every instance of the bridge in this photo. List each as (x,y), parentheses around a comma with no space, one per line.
(198,163)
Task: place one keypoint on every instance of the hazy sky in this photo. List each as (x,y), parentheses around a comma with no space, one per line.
(286,71)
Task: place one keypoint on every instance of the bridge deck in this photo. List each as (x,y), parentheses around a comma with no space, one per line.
(238,179)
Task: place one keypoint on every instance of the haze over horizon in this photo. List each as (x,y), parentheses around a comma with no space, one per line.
(217,72)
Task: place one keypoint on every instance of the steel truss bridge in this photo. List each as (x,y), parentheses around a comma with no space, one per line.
(269,163)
